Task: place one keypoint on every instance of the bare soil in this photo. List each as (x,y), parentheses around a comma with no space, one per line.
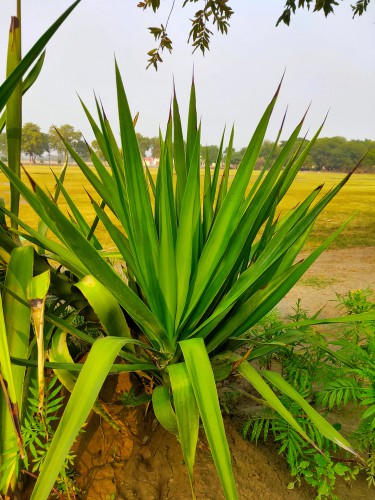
(112,466)
(335,271)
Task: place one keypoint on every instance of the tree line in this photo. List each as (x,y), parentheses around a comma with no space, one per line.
(35,143)
(335,154)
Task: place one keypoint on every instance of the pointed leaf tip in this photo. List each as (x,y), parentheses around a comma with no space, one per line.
(31,180)
(325,118)
(14,24)
(101,105)
(279,86)
(87,144)
(305,113)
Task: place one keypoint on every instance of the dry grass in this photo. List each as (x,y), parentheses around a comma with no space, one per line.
(356,197)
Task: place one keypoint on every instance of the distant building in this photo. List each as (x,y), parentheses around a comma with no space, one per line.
(151,162)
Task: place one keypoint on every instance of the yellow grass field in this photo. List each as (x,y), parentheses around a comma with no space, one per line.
(358,196)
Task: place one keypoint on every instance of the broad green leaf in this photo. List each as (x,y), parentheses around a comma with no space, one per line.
(59,353)
(84,394)
(33,74)
(186,412)
(5,368)
(163,410)
(203,382)
(105,306)
(16,313)
(17,323)
(38,286)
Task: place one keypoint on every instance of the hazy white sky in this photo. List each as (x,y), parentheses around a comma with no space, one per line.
(328,61)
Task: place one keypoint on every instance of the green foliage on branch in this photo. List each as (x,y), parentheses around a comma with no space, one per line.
(218,13)
(211,14)
(326,6)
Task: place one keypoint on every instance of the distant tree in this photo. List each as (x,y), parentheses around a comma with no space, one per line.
(144,144)
(213,151)
(82,149)
(155,147)
(69,133)
(336,153)
(95,146)
(33,141)
(237,156)
(47,146)
(368,164)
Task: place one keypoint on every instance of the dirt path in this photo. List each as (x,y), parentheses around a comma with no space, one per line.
(335,271)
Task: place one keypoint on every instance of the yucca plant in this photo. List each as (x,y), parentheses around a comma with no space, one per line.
(196,275)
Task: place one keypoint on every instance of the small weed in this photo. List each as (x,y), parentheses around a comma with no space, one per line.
(330,379)
(38,436)
(318,281)
(357,301)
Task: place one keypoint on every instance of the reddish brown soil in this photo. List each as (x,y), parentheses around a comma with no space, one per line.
(156,470)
